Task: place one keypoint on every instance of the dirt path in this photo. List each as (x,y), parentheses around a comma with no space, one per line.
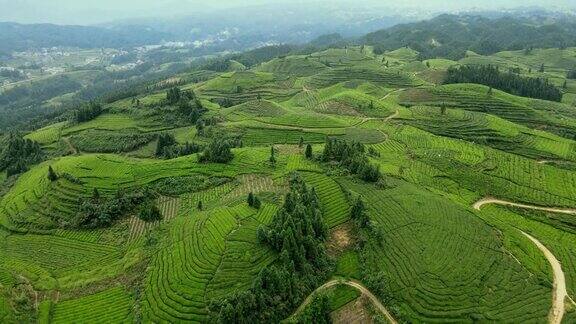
(391,92)
(394,115)
(487,201)
(70,146)
(559,292)
(353,284)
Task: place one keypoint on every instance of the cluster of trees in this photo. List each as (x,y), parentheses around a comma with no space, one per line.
(37,91)
(352,156)
(253,201)
(359,215)
(149,212)
(218,151)
(188,103)
(18,154)
(168,148)
(87,112)
(98,211)
(297,233)
(510,82)
(317,312)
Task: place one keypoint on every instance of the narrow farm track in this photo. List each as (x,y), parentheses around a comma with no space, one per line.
(559,287)
(392,92)
(487,201)
(559,292)
(353,284)
(70,146)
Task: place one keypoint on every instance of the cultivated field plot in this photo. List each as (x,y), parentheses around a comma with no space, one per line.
(444,262)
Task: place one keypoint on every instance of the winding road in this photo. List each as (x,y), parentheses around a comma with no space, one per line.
(559,292)
(487,201)
(353,284)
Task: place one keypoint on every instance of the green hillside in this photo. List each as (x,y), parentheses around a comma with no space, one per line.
(235,196)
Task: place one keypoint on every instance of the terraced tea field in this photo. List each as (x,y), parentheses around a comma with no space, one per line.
(425,252)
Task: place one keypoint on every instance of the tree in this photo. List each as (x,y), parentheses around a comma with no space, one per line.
(250,199)
(428,64)
(358,213)
(565,85)
(150,213)
(95,195)
(218,151)
(52,176)
(490,91)
(165,141)
(301,142)
(199,206)
(308,152)
(173,95)
(272,157)
(88,112)
(256,203)
(541,68)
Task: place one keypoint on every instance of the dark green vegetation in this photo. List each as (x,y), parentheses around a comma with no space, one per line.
(235,194)
(508,82)
(450,36)
(18,153)
(296,232)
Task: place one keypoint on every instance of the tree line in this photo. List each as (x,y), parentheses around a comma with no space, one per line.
(168,148)
(99,211)
(18,154)
(87,112)
(297,233)
(506,81)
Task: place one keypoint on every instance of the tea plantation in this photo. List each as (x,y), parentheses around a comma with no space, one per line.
(164,207)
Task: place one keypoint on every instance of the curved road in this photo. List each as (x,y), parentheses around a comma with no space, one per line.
(559,292)
(353,284)
(487,201)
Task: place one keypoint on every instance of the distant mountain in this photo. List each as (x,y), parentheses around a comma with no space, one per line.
(20,37)
(451,35)
(272,23)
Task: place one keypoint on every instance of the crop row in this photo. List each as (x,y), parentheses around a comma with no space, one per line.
(444,263)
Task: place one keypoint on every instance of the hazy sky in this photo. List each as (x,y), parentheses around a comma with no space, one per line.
(98,11)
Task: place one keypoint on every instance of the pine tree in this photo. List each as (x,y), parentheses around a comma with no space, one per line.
(95,195)
(250,199)
(308,152)
(256,203)
(358,213)
(150,213)
(52,176)
(272,157)
(199,206)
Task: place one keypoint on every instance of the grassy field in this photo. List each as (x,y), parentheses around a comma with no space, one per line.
(427,255)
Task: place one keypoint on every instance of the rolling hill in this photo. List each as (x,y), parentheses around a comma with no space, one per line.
(374,181)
